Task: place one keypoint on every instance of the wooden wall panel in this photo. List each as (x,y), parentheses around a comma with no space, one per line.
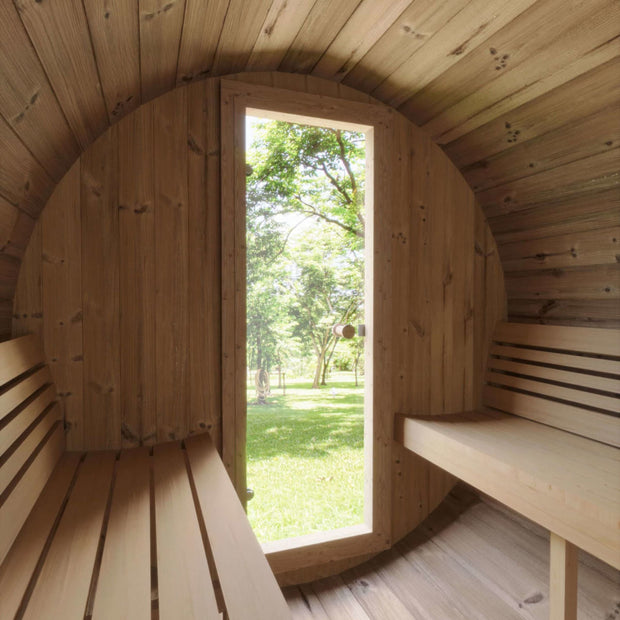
(59,33)
(61,290)
(170,152)
(148,279)
(101,419)
(136,212)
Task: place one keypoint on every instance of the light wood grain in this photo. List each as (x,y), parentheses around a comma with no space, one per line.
(248,585)
(20,563)
(124,584)
(66,573)
(563,580)
(513,460)
(17,506)
(183,578)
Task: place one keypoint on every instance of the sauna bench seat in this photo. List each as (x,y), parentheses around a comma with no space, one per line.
(545,442)
(152,532)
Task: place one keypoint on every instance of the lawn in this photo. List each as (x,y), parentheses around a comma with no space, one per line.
(305,459)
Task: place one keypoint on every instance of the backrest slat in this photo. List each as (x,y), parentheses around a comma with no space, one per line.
(566,377)
(19,355)
(21,390)
(578,362)
(577,339)
(32,437)
(572,378)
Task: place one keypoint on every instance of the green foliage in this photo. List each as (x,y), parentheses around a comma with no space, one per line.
(311,170)
(302,278)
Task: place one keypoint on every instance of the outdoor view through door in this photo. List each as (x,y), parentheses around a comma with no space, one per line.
(305,228)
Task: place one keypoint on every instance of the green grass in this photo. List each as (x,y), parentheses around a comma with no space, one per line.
(305,459)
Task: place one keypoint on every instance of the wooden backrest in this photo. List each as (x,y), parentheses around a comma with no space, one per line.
(566,377)
(31,433)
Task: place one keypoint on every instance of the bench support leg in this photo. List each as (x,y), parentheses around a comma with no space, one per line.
(563,579)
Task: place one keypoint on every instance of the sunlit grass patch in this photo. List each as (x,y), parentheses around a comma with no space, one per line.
(305,459)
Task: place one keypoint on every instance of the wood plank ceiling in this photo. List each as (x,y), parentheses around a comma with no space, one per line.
(523,95)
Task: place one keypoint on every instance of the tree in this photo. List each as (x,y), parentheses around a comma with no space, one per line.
(326,290)
(301,173)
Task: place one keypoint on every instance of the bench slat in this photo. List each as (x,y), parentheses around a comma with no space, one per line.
(67,571)
(248,585)
(22,559)
(17,459)
(124,585)
(581,362)
(575,379)
(598,426)
(18,356)
(25,418)
(578,397)
(19,392)
(565,338)
(14,511)
(183,577)
(494,452)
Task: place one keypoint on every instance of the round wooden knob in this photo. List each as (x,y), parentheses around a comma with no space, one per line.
(344,331)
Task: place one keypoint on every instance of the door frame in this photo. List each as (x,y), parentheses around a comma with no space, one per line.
(236,99)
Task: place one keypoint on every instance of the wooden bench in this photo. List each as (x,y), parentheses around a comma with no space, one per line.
(545,443)
(140,533)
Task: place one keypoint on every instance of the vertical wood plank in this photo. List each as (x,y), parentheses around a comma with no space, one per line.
(28,305)
(203,114)
(136,212)
(227,181)
(62,300)
(563,579)
(100,282)
(171,263)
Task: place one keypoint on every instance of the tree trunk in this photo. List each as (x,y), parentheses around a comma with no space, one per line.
(318,369)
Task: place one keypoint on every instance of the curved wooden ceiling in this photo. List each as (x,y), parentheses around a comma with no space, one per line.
(523,95)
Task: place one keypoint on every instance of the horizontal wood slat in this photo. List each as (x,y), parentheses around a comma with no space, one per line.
(521,464)
(574,379)
(19,392)
(577,339)
(21,499)
(11,466)
(575,396)
(25,417)
(599,426)
(19,355)
(20,563)
(582,362)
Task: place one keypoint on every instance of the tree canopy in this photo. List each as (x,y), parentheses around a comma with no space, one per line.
(305,240)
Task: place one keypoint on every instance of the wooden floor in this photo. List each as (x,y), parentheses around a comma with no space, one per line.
(471,559)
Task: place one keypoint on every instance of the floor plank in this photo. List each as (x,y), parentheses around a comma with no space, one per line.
(470,559)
